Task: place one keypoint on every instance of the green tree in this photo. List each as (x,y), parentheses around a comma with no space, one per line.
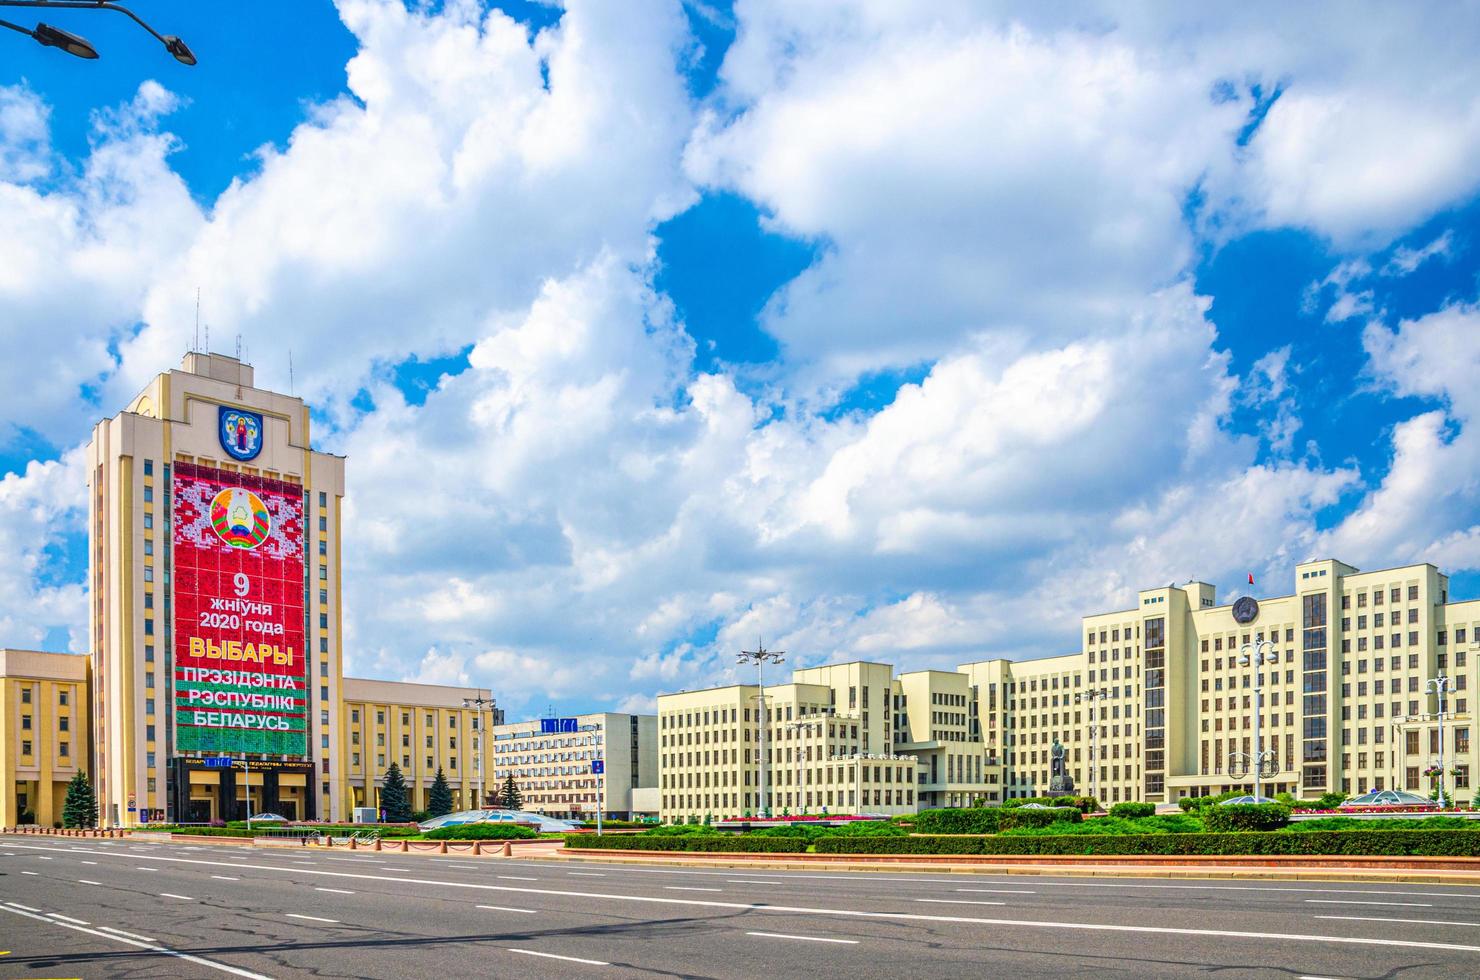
(393,797)
(509,796)
(81,808)
(439,801)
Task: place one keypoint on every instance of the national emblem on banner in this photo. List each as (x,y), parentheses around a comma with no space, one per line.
(240,518)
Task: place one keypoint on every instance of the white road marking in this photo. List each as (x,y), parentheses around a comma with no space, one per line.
(131,935)
(750,881)
(146,869)
(354,860)
(1336,901)
(89,862)
(449,864)
(337,891)
(183,898)
(505,908)
(956,901)
(88,881)
(1240,888)
(33,874)
(504,877)
(587,874)
(43,859)
(810,939)
(67,918)
(225,878)
(690,888)
(554,956)
(1374,918)
(855,913)
(18,905)
(149,944)
(310,918)
(996,891)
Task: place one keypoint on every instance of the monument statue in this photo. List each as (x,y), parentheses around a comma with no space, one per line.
(1060,782)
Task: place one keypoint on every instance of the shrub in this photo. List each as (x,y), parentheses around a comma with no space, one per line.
(1440,843)
(1235,817)
(482,831)
(1018,817)
(1329,801)
(1385,823)
(678,830)
(1084,804)
(1133,811)
(1172,823)
(959,820)
(698,842)
(867,828)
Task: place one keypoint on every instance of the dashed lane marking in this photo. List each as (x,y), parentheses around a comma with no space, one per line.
(310,918)
(556,956)
(810,939)
(505,908)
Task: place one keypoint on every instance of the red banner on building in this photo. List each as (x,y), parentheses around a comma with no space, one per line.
(240,675)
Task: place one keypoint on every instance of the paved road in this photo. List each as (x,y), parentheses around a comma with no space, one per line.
(84,908)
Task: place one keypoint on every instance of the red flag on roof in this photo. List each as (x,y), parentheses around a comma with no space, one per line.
(1251,578)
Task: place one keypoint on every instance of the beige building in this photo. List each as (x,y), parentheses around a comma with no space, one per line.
(553,769)
(1159,704)
(420,727)
(841,738)
(44,729)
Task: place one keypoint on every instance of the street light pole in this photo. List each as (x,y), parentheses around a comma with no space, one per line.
(72,44)
(482,704)
(1258,659)
(1438,686)
(1092,695)
(799,726)
(760,656)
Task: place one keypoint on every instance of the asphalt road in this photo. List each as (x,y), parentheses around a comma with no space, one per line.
(86,908)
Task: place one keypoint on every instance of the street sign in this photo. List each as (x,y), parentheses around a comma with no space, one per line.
(218,762)
(598,767)
(558,726)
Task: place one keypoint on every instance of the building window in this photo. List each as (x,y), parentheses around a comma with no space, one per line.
(25,723)
(148,495)
(148,467)
(63,749)
(149,573)
(64,724)
(25,695)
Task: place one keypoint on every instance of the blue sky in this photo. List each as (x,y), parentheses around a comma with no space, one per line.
(880,332)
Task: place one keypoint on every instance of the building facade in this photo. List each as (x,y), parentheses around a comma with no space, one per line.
(553,769)
(421,728)
(44,730)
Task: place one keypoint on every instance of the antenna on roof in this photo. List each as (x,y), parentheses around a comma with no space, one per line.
(290,371)
(196,347)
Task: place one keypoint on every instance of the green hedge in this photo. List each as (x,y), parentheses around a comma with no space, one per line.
(1015,819)
(700,842)
(1231,818)
(1084,804)
(1133,811)
(959,820)
(482,831)
(1435,843)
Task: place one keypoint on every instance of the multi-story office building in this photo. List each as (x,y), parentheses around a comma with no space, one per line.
(214,600)
(421,728)
(1160,703)
(44,733)
(552,764)
(841,738)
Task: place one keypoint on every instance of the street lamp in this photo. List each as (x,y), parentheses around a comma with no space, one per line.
(53,37)
(481,703)
(760,656)
(1255,653)
(798,726)
(1092,695)
(1438,686)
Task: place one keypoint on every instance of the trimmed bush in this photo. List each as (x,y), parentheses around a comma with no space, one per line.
(1133,811)
(867,828)
(1225,818)
(1171,823)
(482,831)
(1018,817)
(1431,843)
(1084,804)
(959,820)
(699,842)
(1328,801)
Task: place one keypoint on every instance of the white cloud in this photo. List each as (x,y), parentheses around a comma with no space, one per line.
(39,509)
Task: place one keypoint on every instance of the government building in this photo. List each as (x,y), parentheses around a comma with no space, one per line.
(214,592)
(1158,704)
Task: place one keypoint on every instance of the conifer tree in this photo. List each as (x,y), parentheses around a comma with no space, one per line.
(510,798)
(81,807)
(439,801)
(393,797)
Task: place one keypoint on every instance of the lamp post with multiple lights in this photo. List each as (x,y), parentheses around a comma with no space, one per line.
(1092,695)
(1439,686)
(1258,655)
(760,656)
(482,704)
(54,37)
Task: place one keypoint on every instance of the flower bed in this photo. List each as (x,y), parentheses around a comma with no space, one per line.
(1439,843)
(710,843)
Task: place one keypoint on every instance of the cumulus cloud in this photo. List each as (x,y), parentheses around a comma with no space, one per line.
(40,509)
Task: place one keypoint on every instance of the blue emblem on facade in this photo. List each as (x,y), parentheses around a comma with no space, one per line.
(241,433)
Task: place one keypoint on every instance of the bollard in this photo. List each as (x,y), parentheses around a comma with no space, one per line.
(303,841)
(352,844)
(376,845)
(442,847)
(477,848)
(508,851)
(405,845)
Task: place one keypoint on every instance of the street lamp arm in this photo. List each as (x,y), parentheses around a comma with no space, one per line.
(176,47)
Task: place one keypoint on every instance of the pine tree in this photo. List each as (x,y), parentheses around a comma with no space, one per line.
(81,807)
(439,801)
(511,798)
(393,798)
